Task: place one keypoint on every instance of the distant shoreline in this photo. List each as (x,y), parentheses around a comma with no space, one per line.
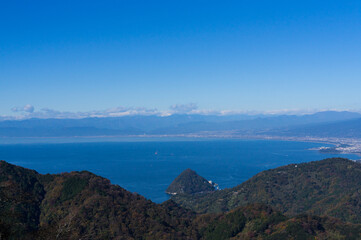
(354,145)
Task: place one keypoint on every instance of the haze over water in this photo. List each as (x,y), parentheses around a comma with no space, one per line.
(148,167)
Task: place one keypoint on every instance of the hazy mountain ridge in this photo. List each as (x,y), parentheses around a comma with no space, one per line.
(318,124)
(342,129)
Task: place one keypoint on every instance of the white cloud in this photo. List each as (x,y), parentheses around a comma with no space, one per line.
(184,108)
(28,111)
(27,108)
(113,112)
(292,111)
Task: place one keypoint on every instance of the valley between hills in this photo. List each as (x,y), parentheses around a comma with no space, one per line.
(316,200)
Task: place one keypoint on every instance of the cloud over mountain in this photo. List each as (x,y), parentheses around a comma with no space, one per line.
(28,111)
(112,112)
(184,108)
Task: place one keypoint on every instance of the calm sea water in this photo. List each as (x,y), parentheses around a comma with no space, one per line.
(149,167)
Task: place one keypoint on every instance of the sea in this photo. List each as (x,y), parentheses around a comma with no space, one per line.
(147,167)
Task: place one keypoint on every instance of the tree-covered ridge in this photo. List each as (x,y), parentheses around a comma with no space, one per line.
(329,187)
(21,195)
(81,205)
(189,182)
(262,222)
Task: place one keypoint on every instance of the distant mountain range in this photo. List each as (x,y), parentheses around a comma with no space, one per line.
(342,129)
(328,123)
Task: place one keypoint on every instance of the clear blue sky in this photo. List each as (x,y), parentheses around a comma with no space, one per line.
(236,55)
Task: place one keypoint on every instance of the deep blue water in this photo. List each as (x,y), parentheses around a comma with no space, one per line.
(149,167)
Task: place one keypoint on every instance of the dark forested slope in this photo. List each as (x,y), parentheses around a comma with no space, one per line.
(329,187)
(81,205)
(189,182)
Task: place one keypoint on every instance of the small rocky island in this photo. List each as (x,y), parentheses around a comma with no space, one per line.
(189,182)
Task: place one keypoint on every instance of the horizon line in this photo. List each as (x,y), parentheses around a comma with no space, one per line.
(46,113)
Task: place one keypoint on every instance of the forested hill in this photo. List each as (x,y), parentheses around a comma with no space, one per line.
(329,187)
(81,205)
(189,182)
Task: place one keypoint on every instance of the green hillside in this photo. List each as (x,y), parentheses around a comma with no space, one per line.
(258,221)
(329,187)
(189,182)
(81,205)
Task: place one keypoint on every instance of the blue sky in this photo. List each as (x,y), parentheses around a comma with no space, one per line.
(73,56)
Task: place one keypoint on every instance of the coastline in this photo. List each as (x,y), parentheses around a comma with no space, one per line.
(341,145)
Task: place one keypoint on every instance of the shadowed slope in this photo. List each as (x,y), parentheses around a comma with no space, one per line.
(81,205)
(189,182)
(328,187)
